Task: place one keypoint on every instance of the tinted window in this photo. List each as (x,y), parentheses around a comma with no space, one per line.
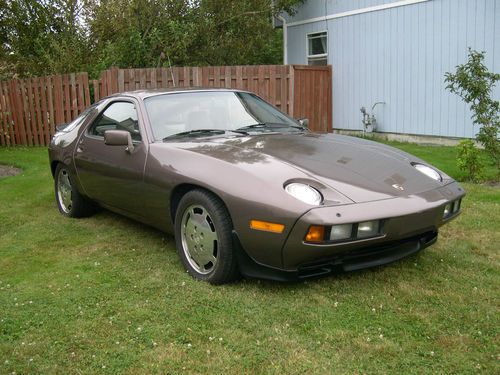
(118,116)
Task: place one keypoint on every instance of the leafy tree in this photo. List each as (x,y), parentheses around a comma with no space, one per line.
(54,36)
(474,84)
(41,36)
(138,33)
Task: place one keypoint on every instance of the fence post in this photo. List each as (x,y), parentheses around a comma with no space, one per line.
(291,88)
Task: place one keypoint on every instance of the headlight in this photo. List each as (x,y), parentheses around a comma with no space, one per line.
(451,209)
(341,232)
(428,171)
(368,229)
(304,193)
(344,232)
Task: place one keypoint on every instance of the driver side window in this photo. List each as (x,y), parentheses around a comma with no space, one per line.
(118,116)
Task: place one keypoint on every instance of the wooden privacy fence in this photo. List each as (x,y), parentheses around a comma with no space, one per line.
(31,108)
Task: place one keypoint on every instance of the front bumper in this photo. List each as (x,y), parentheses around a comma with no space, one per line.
(358,259)
(410,224)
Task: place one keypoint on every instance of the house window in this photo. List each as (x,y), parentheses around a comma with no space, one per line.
(317,49)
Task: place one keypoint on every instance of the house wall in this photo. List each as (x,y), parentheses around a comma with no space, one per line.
(399,56)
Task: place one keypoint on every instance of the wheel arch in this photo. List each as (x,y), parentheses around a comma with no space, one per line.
(53,166)
(182,189)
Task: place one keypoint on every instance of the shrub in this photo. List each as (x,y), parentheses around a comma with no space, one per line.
(469,160)
(474,83)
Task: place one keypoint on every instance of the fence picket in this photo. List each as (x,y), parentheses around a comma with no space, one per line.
(43,108)
(50,101)
(3,122)
(36,121)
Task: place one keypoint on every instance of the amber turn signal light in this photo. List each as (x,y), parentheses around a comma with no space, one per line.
(316,233)
(266,226)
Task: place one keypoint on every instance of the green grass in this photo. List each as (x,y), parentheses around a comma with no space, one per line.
(106,294)
(445,158)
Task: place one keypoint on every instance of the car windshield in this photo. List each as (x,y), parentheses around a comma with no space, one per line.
(206,113)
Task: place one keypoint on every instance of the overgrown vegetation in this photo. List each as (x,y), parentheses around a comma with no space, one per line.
(474,84)
(469,160)
(40,37)
(108,295)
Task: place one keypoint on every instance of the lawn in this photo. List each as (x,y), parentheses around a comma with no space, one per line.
(109,295)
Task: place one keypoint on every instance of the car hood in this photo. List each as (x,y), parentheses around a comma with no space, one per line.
(361,170)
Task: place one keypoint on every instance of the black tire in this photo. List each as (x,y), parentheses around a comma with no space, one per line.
(203,238)
(68,199)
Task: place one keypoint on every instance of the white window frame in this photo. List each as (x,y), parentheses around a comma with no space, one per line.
(319,56)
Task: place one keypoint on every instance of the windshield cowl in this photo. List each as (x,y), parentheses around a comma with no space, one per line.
(266,126)
(205,133)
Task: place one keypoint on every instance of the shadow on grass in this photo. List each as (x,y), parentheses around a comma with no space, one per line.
(104,218)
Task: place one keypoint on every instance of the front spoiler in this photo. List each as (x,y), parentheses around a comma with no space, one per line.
(362,258)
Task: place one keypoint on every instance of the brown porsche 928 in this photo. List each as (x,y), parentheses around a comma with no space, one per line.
(246,189)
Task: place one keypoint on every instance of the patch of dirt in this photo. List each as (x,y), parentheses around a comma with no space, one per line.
(8,170)
(495,184)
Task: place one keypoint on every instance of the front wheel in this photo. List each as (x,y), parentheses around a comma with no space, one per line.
(69,200)
(203,238)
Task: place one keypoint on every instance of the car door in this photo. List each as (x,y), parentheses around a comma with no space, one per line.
(112,175)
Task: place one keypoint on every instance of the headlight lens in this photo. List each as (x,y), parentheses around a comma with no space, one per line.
(341,232)
(368,229)
(304,193)
(451,209)
(428,171)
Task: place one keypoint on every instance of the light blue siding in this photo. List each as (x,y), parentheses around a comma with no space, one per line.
(399,56)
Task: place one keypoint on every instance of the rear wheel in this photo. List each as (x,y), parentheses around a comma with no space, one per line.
(69,200)
(203,238)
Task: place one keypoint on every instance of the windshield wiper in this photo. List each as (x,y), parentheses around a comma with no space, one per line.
(201,132)
(270,125)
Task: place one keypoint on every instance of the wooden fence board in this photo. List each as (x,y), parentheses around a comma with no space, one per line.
(6,114)
(79,94)
(37,112)
(26,111)
(73,97)
(8,138)
(43,107)
(86,89)
(4,136)
(50,101)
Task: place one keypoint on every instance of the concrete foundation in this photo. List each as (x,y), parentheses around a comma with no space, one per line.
(410,138)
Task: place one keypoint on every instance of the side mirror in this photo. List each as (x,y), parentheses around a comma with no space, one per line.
(61,127)
(118,138)
(304,122)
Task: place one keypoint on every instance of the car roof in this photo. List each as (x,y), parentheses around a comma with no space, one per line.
(142,94)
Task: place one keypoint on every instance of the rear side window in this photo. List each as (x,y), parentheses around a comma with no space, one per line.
(117,116)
